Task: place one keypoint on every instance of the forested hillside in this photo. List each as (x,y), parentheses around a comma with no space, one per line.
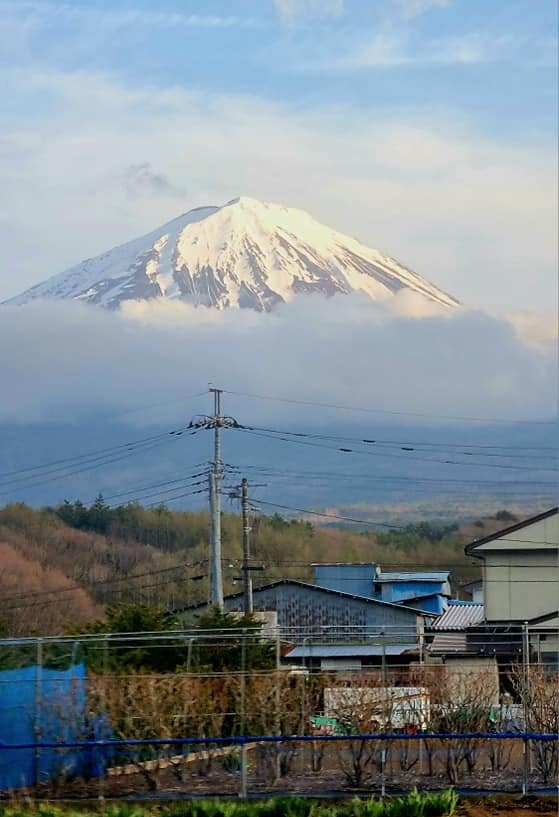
(60,566)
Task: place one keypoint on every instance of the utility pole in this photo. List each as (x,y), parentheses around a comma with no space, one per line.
(215,422)
(247,579)
(216,473)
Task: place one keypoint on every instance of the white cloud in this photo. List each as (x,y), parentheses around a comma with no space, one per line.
(392,49)
(141,180)
(413,8)
(536,329)
(473,215)
(67,361)
(50,13)
(292,10)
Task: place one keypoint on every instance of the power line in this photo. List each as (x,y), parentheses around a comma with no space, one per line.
(99,462)
(369,410)
(90,454)
(110,448)
(371,523)
(103,582)
(335,475)
(328,515)
(407,445)
(345,450)
(156,484)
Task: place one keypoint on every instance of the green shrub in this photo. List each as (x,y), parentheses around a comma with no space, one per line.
(414,804)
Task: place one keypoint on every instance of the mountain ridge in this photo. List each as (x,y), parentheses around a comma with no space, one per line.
(245,254)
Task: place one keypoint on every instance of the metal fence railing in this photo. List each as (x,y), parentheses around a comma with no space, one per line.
(327,765)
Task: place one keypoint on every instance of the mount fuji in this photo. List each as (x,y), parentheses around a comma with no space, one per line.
(246,253)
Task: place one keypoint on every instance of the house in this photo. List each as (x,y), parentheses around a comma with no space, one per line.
(517,619)
(520,570)
(426,591)
(429,591)
(473,591)
(335,629)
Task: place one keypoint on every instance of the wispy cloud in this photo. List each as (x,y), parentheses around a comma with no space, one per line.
(293,10)
(142,180)
(392,50)
(53,12)
(413,8)
(469,212)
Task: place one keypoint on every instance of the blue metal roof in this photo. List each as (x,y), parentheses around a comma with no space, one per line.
(349,650)
(420,576)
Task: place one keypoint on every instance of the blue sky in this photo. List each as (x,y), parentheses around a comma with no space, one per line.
(424,127)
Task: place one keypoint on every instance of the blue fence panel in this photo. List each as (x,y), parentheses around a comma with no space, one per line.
(45,706)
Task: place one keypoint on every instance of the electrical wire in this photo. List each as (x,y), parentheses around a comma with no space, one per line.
(99,462)
(370,523)
(335,475)
(407,445)
(345,450)
(369,410)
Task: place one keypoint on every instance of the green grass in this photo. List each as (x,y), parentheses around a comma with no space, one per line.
(415,804)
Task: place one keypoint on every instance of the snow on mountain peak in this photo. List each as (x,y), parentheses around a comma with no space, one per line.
(246,253)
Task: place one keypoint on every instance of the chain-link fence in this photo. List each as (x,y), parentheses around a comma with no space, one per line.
(191,712)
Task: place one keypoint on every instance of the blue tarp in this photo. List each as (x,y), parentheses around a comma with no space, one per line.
(45,705)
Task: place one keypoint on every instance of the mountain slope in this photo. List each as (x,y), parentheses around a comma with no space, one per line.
(246,253)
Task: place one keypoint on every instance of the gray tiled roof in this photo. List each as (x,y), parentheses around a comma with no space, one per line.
(459,616)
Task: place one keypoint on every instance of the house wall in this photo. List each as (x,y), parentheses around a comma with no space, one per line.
(357,579)
(402,590)
(520,585)
(521,572)
(310,608)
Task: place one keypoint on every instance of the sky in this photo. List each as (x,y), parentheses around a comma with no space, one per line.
(425,128)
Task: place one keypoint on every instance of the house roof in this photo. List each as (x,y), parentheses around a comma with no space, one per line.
(317,588)
(455,642)
(544,618)
(469,549)
(423,596)
(411,576)
(472,585)
(460,615)
(349,650)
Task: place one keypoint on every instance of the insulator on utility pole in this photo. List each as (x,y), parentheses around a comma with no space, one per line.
(247,580)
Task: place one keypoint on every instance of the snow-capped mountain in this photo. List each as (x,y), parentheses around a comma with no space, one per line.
(246,253)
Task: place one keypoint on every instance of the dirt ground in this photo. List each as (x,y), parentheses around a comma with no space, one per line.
(509,806)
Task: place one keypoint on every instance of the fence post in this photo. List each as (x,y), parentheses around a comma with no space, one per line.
(37,730)
(244,760)
(101,794)
(278,705)
(525,780)
(383,659)
(527,724)
(382,769)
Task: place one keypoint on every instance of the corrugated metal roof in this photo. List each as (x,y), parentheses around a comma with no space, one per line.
(348,650)
(296,582)
(400,576)
(460,615)
(455,642)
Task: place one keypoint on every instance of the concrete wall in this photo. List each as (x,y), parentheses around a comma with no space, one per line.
(466,675)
